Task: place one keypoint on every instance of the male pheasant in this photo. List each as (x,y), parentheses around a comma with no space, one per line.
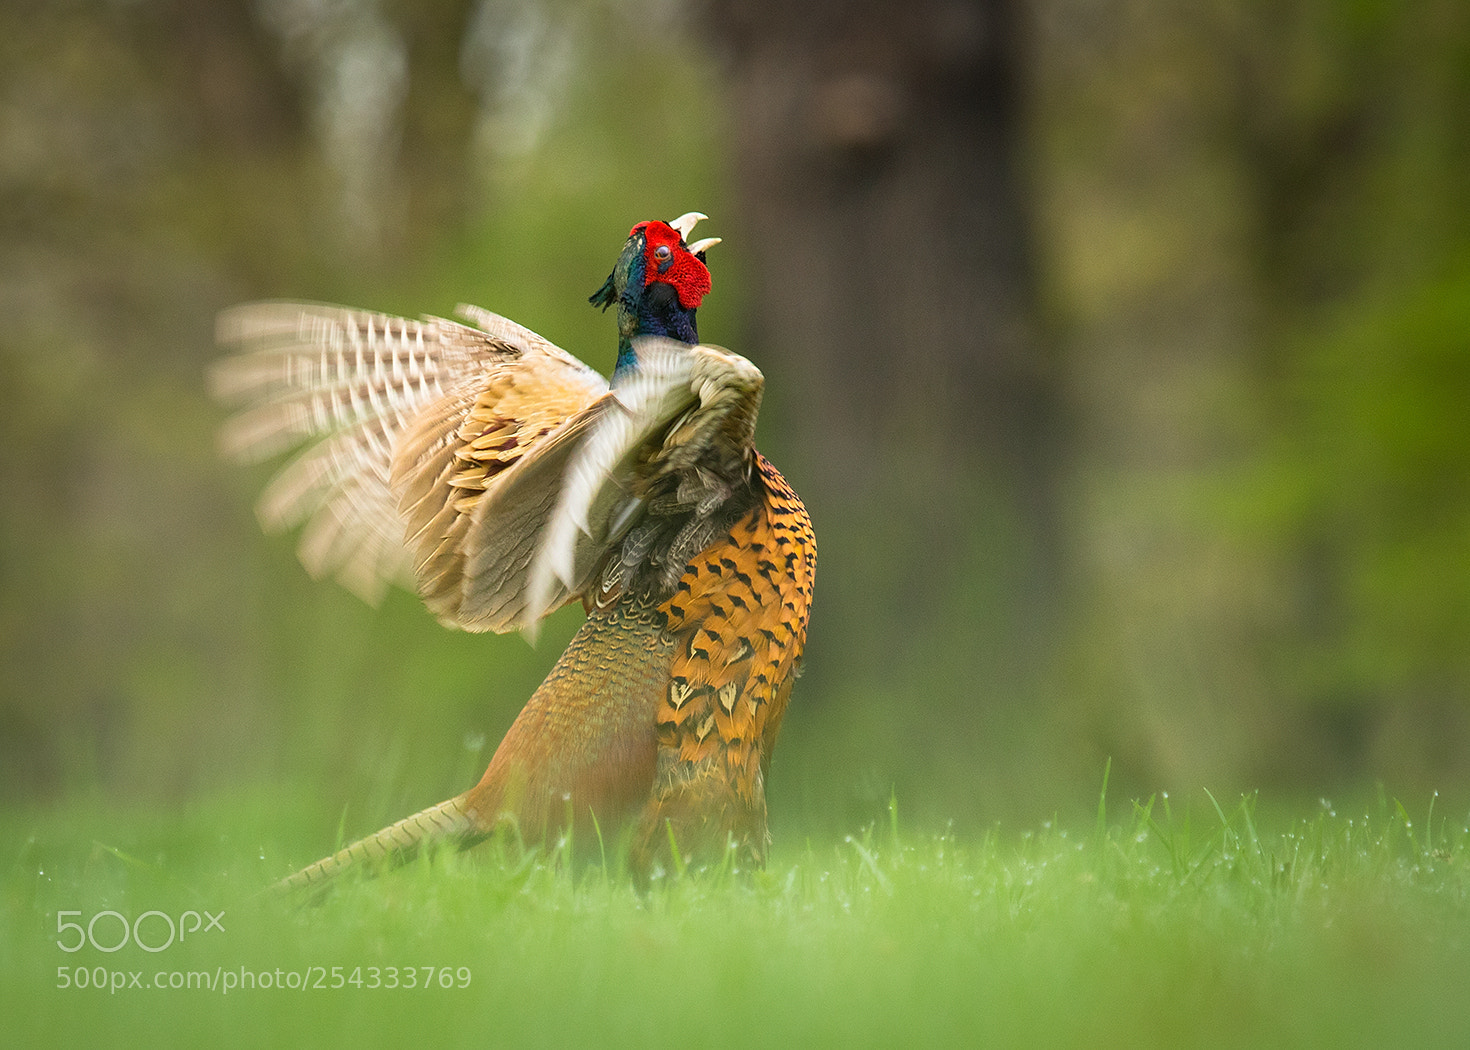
(505,478)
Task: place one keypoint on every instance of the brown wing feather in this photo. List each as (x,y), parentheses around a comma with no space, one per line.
(670,447)
(537,537)
(366,392)
(476,480)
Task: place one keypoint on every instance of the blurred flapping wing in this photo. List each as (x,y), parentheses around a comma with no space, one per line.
(483,465)
(358,390)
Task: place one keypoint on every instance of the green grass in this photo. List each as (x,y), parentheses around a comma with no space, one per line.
(1162,925)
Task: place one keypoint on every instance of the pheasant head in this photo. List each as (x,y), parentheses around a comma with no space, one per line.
(658,283)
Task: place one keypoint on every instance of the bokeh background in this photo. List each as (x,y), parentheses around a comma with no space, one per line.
(1120,348)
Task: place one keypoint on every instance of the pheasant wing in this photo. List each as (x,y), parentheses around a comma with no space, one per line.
(350,386)
(681,405)
(477,477)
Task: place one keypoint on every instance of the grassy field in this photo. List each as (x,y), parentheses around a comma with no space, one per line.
(1160,925)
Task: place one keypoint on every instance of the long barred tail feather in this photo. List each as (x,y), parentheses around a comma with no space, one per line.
(447,824)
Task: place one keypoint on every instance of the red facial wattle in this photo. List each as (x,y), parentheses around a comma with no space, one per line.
(678,266)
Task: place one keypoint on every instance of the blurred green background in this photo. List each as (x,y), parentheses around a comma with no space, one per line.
(1121,350)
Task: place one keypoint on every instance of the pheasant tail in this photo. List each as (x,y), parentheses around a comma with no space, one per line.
(444,824)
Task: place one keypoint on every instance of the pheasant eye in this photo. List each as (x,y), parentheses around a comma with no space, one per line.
(663,253)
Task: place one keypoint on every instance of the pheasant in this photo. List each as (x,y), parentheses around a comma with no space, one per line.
(503,478)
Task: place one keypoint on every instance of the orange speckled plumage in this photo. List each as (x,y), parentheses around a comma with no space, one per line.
(739,616)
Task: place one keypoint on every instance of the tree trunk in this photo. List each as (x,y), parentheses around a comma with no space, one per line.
(891,294)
